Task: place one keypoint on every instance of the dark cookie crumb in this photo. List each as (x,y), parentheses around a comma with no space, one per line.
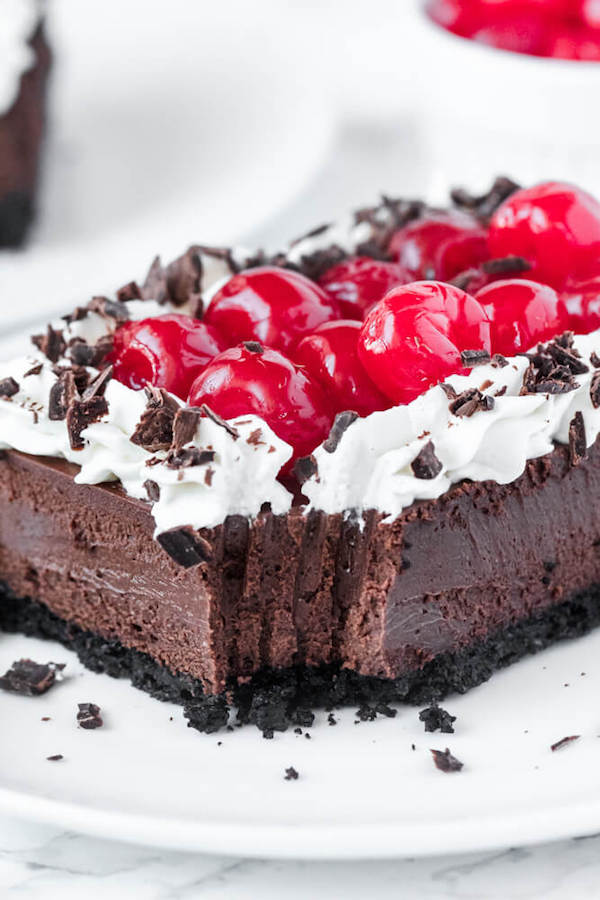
(291,774)
(9,387)
(577,440)
(29,678)
(426,465)
(469,402)
(564,741)
(342,421)
(445,762)
(437,719)
(88,716)
(55,758)
(331,719)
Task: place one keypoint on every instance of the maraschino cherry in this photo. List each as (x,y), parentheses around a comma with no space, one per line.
(414,337)
(555,226)
(255,379)
(582,302)
(360,282)
(330,355)
(522,313)
(440,245)
(272,305)
(166,351)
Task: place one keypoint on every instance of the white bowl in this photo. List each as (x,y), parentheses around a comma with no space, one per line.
(486,111)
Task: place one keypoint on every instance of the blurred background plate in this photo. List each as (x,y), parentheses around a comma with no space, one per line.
(170,123)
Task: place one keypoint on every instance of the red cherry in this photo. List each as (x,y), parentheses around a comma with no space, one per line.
(519,29)
(522,313)
(589,13)
(413,338)
(242,381)
(330,356)
(271,305)
(440,245)
(360,282)
(167,351)
(574,42)
(582,301)
(555,226)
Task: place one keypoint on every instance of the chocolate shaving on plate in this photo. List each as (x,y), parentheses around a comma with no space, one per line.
(88,716)
(445,762)
(29,678)
(577,439)
(55,757)
(8,387)
(426,465)
(341,423)
(564,742)
(291,774)
(185,547)
(437,719)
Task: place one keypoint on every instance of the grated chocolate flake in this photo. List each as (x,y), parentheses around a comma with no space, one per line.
(305,467)
(499,361)
(291,774)
(209,414)
(553,366)
(62,393)
(97,387)
(485,205)
(564,742)
(185,547)
(108,309)
(437,719)
(83,354)
(577,440)
(469,402)
(501,391)
(506,265)
(426,465)
(185,457)
(595,359)
(154,431)
(82,413)
(470,358)
(449,391)
(445,762)
(29,678)
(56,757)
(595,390)
(185,425)
(34,370)
(254,438)
(315,264)
(341,423)
(52,344)
(152,490)
(129,291)
(88,716)
(8,387)
(254,347)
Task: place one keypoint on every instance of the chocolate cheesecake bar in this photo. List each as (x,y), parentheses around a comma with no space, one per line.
(24,66)
(416,549)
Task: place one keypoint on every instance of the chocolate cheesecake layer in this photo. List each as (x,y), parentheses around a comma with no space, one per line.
(21,134)
(380,599)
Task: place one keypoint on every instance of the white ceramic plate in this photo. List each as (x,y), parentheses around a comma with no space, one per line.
(171,122)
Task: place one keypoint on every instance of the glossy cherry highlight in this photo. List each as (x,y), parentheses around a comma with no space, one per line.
(439,246)
(330,356)
(582,302)
(521,314)
(167,351)
(271,305)
(414,337)
(246,380)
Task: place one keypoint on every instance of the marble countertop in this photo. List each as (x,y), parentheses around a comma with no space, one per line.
(40,863)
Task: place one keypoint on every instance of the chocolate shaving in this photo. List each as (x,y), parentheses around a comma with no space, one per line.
(152,490)
(62,393)
(426,464)
(9,387)
(83,354)
(564,741)
(501,391)
(445,762)
(129,291)
(485,205)
(29,678)
(185,457)
(154,431)
(552,367)
(82,413)
(469,402)
(506,265)
(185,547)
(469,280)
(341,423)
(208,476)
(595,359)
(291,774)
(577,440)
(254,347)
(449,391)
(52,344)
(108,309)
(595,390)
(254,438)
(88,716)
(470,358)
(185,425)
(313,265)
(55,757)
(209,414)
(34,370)
(305,467)
(499,361)
(97,387)
(437,719)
